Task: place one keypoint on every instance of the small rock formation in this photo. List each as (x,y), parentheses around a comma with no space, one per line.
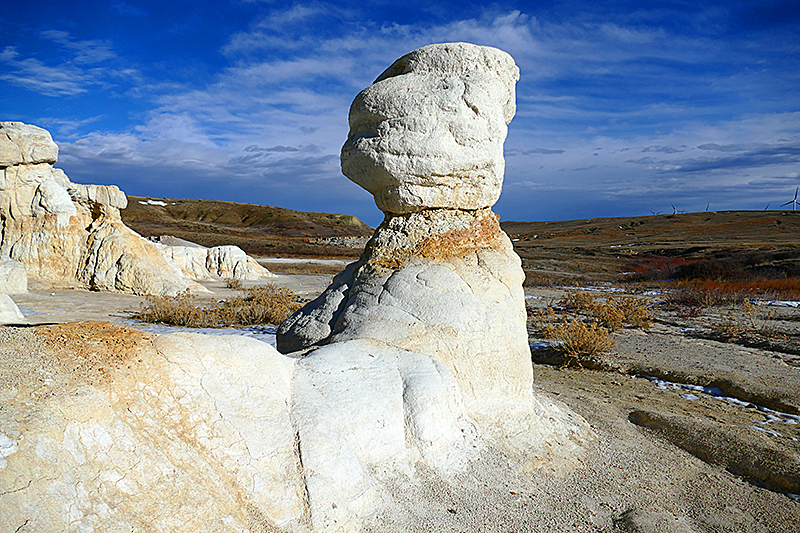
(70,234)
(219,262)
(9,312)
(13,277)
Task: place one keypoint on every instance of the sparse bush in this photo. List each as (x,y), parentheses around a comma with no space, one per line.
(178,310)
(578,339)
(577,300)
(750,320)
(235,284)
(266,304)
(623,311)
(608,314)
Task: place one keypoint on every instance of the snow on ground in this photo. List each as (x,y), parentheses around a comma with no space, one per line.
(261,333)
(154,202)
(304,260)
(770,414)
(783,303)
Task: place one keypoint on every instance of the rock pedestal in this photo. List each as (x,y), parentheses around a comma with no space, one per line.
(418,352)
(439,276)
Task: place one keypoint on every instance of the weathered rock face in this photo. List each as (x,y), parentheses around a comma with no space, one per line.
(13,277)
(446,283)
(69,234)
(429,132)
(439,276)
(220,262)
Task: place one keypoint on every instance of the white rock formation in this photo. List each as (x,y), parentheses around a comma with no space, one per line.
(69,234)
(13,277)
(439,276)
(429,132)
(220,262)
(9,312)
(431,319)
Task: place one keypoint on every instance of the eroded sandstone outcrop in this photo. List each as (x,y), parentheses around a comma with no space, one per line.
(68,234)
(219,262)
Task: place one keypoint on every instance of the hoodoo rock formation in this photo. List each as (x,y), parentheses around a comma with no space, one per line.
(406,387)
(439,276)
(424,336)
(68,234)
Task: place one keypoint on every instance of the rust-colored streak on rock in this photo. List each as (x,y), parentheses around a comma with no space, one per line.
(92,351)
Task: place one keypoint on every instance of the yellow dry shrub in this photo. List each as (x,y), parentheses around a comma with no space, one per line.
(266,304)
(618,312)
(577,300)
(576,338)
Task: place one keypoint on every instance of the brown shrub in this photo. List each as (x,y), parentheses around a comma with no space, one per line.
(575,300)
(576,338)
(266,304)
(623,311)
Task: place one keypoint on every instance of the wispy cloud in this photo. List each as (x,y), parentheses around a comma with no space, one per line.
(84,51)
(622,110)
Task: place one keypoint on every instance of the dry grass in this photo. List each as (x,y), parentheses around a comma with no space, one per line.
(746,322)
(613,314)
(266,304)
(618,312)
(576,300)
(235,284)
(578,339)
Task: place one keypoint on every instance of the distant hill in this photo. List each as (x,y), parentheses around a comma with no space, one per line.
(754,242)
(749,242)
(257,229)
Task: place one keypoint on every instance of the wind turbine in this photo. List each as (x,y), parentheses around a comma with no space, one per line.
(794,202)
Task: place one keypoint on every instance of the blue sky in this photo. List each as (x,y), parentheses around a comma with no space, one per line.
(624,108)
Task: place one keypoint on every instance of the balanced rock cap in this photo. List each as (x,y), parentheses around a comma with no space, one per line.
(429,132)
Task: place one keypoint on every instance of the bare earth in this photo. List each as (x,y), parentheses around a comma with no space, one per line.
(665,459)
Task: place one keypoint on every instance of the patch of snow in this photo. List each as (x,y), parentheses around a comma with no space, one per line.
(783,303)
(27,311)
(770,431)
(260,333)
(593,289)
(795,497)
(771,414)
(534,297)
(541,345)
(303,260)
(689,396)
(153,202)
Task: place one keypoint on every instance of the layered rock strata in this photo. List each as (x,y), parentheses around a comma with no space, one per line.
(68,234)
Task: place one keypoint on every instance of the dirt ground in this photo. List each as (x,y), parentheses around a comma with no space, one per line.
(693,433)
